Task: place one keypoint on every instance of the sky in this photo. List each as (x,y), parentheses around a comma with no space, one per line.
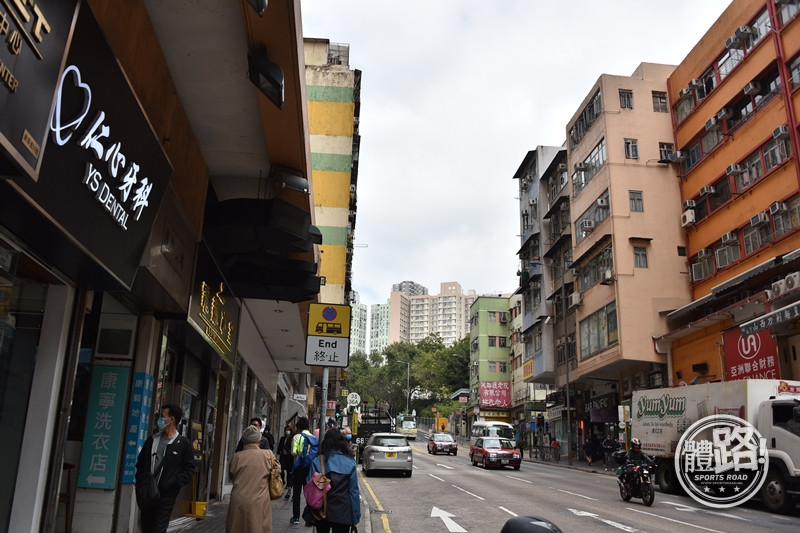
(454,93)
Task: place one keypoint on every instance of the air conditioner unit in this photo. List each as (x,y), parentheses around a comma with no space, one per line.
(684,93)
(602,202)
(532,201)
(792,281)
(688,204)
(752,88)
(744,31)
(562,167)
(725,113)
(712,123)
(778,288)
(733,169)
(575,299)
(677,157)
(781,132)
(703,253)
(759,219)
(523,185)
(587,225)
(695,83)
(730,238)
(777,207)
(687,218)
(608,277)
(733,43)
(580,167)
(706,190)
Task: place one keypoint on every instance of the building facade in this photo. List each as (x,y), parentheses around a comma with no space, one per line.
(358,325)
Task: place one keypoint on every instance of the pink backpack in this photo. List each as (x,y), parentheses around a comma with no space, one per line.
(316,491)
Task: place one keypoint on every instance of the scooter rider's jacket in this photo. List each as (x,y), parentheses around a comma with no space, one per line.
(638,458)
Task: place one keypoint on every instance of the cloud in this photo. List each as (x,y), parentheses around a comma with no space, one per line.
(454,94)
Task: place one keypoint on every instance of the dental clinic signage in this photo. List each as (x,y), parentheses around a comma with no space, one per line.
(34,37)
(103,171)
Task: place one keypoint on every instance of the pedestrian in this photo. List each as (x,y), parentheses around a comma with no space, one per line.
(250,509)
(270,439)
(286,459)
(588,450)
(343,507)
(609,447)
(556,446)
(299,473)
(264,442)
(175,451)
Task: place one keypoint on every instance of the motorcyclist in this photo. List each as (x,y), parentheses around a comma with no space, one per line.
(635,456)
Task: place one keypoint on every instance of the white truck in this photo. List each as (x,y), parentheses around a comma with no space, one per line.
(659,417)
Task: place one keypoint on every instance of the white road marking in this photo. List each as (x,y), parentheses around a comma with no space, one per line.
(435,477)
(576,494)
(617,525)
(520,479)
(468,492)
(683,507)
(447,518)
(509,512)
(445,466)
(673,520)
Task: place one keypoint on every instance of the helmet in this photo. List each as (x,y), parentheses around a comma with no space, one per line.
(636,444)
(529,524)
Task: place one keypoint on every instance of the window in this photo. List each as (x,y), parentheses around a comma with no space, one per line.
(592,164)
(711,139)
(755,237)
(631,149)
(625,99)
(492,316)
(775,152)
(786,221)
(794,70)
(789,8)
(592,273)
(585,120)
(683,108)
(660,102)
(727,254)
(701,269)
(707,83)
(537,336)
(665,150)
(492,342)
(728,62)
(752,170)
(761,26)
(636,201)
(693,156)
(639,257)
(599,330)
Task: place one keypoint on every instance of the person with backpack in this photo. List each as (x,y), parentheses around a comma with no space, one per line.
(343,506)
(304,449)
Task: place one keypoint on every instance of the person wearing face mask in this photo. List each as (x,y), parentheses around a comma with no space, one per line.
(286,459)
(175,452)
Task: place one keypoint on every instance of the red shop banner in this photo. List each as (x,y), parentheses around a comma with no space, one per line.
(495,394)
(753,356)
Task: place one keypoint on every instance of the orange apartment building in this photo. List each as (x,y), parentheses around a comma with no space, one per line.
(735,105)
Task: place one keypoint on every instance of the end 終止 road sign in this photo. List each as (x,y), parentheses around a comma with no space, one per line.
(329,320)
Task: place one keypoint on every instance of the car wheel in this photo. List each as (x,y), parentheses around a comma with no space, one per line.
(455,453)
(483,463)
(516,467)
(774,496)
(429,451)
(408,473)
(474,462)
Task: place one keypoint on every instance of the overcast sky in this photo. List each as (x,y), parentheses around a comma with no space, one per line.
(454,93)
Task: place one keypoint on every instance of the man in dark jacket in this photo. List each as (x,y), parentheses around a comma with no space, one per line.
(270,439)
(175,451)
(265,444)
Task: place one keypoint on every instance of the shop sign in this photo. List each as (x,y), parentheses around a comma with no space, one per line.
(779,316)
(103,172)
(495,394)
(138,423)
(213,310)
(35,38)
(753,356)
(102,437)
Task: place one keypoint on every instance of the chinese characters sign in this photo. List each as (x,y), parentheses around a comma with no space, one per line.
(328,341)
(495,394)
(753,356)
(722,461)
(780,316)
(102,436)
(138,423)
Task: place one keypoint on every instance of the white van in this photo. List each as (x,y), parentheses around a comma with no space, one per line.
(491,428)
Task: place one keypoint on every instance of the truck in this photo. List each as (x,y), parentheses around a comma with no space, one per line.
(659,417)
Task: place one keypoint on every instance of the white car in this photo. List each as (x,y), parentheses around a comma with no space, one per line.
(387,451)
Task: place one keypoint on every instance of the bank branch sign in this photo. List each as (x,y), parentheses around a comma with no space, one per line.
(328,341)
(721,461)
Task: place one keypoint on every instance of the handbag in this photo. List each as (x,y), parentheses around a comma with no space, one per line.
(147,493)
(275,483)
(316,491)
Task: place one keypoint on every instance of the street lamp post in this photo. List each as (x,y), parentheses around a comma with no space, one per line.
(408,382)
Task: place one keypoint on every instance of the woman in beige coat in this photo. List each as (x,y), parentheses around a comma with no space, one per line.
(250,509)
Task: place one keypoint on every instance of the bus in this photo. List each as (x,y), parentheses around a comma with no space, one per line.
(407,425)
(491,428)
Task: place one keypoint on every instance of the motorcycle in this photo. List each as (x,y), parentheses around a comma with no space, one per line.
(634,482)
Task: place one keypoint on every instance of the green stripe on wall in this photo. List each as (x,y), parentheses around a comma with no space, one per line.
(322,93)
(335,162)
(333,235)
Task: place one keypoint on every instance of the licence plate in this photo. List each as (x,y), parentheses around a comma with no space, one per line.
(504,461)
(391,455)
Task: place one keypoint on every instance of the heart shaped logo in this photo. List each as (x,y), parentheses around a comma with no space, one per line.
(75,95)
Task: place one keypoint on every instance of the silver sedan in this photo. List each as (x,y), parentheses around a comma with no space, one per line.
(387,451)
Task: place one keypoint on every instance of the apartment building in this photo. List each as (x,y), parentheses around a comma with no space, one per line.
(378,327)
(735,104)
(358,324)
